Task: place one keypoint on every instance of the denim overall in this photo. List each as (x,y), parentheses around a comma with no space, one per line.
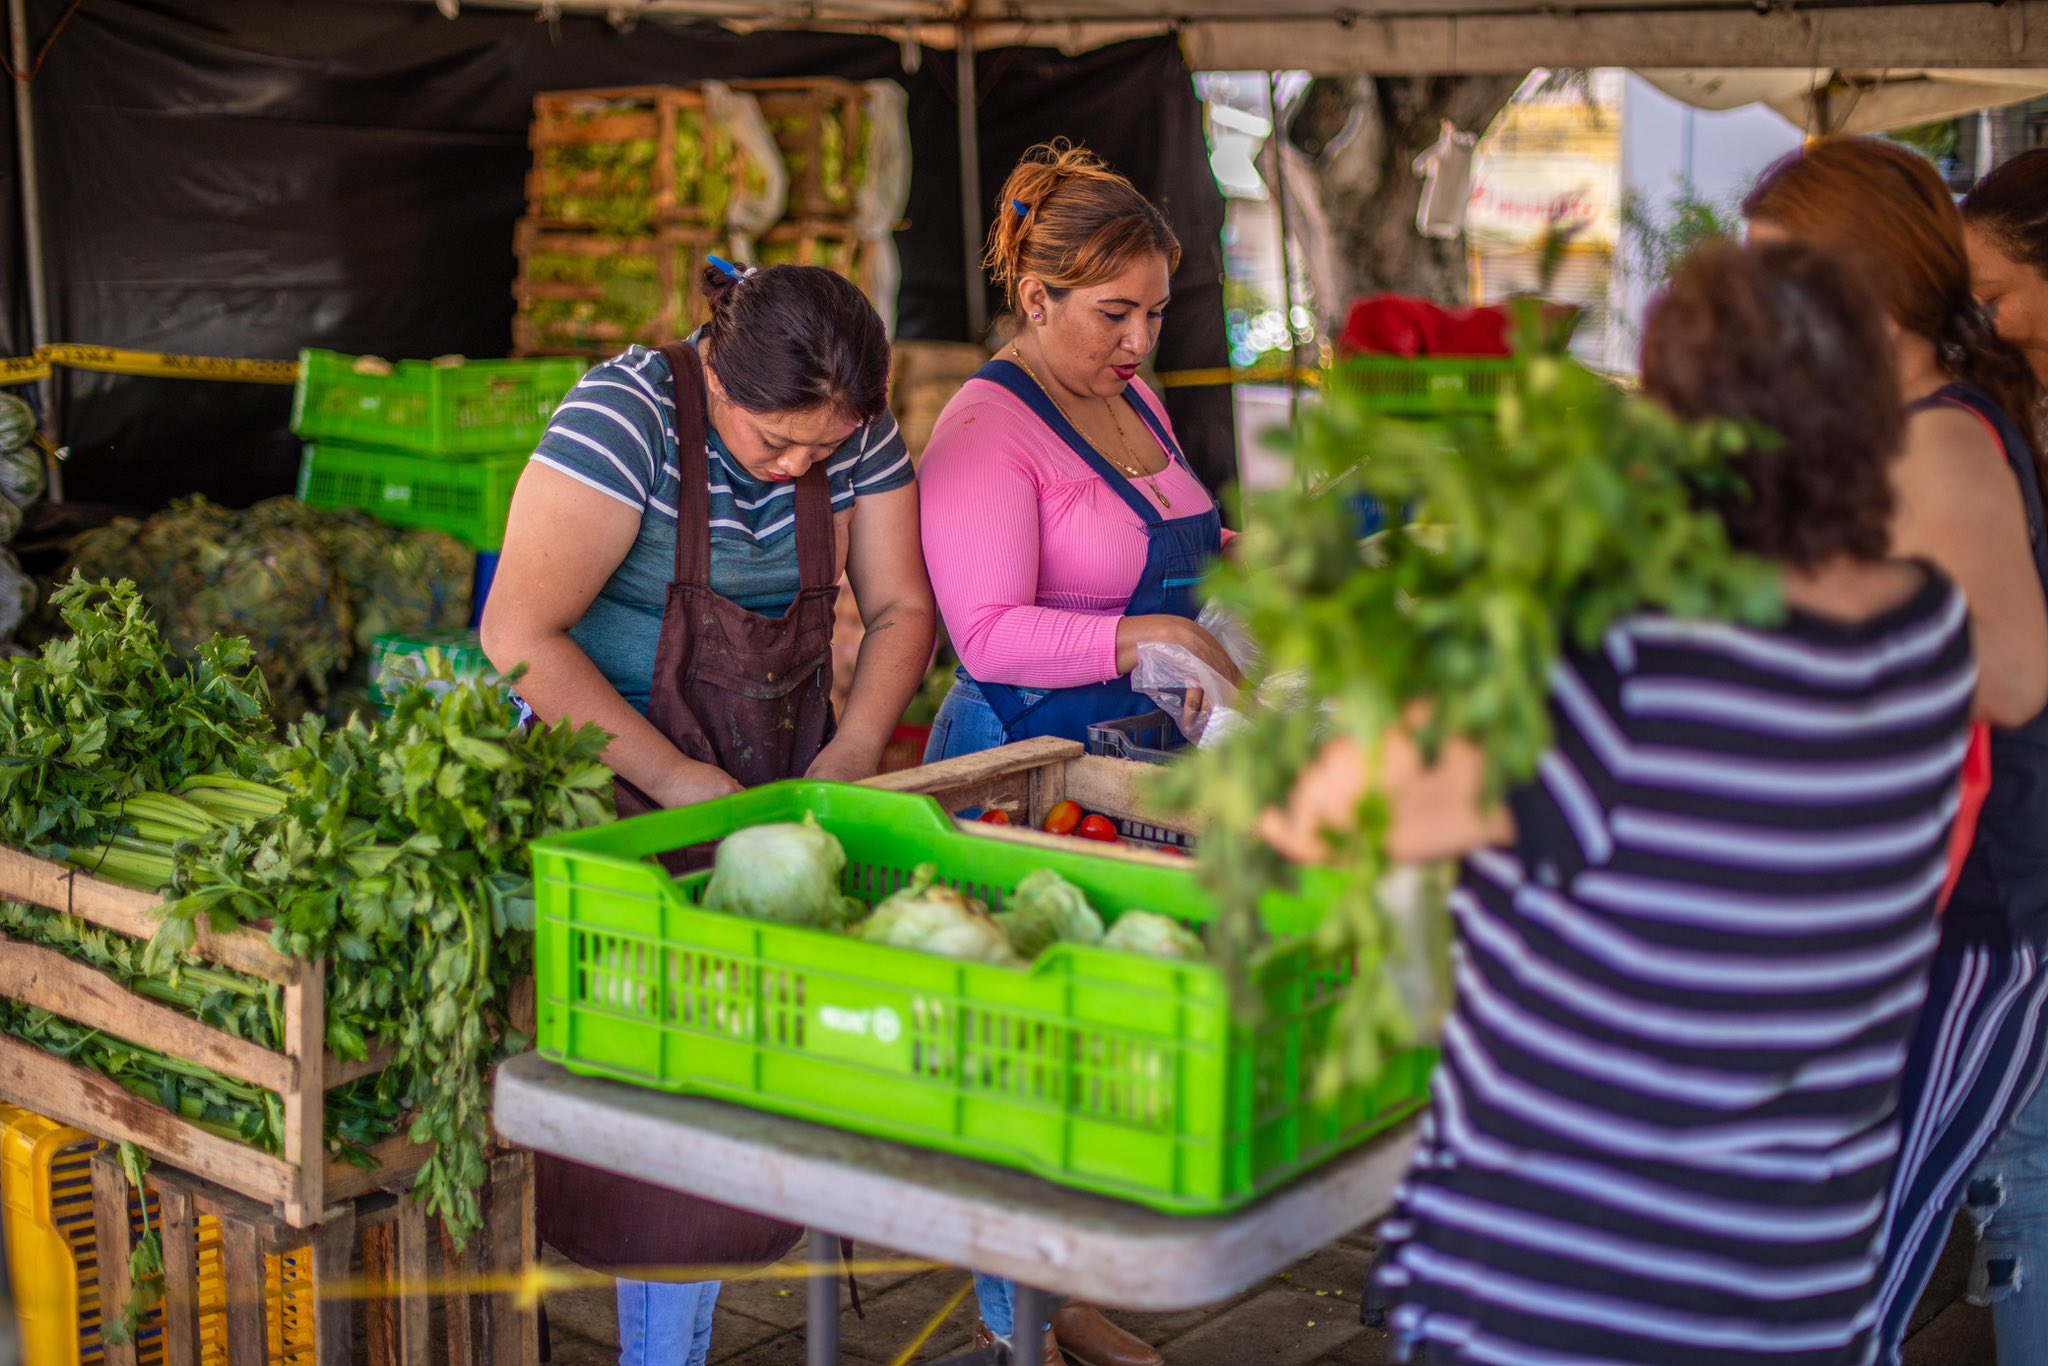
(1180,551)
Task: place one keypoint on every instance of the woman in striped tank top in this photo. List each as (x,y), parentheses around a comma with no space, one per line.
(1692,951)
(1969,499)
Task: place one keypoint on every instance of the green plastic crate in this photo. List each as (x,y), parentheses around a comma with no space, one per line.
(1109,1072)
(465,653)
(469,499)
(461,407)
(1423,387)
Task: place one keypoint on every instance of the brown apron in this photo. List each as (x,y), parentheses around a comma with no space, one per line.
(752,695)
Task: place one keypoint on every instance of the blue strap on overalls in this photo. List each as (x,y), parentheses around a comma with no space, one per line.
(1179,552)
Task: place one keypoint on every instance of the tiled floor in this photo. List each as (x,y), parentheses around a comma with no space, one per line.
(1305,1317)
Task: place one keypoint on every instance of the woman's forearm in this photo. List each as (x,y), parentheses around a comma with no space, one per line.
(894,655)
(562,684)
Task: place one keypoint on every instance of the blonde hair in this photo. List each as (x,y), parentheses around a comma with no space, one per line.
(1068,219)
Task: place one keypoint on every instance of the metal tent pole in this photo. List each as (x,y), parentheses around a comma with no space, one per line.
(1286,255)
(970,176)
(32,219)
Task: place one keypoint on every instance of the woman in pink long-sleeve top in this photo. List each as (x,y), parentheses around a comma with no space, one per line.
(1062,526)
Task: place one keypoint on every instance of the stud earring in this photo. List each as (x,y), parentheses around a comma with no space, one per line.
(1038,317)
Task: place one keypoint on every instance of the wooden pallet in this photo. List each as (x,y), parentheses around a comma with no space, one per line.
(1026,780)
(481,1329)
(297,1184)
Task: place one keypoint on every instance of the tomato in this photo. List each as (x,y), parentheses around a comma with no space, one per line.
(995,817)
(1063,819)
(1099,828)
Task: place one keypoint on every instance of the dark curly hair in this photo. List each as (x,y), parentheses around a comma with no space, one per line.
(1791,342)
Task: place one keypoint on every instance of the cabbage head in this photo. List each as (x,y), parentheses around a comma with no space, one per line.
(1046,909)
(936,919)
(784,872)
(1155,935)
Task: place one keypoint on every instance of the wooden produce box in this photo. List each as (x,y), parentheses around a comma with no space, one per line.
(314,1325)
(924,377)
(591,294)
(1027,779)
(628,160)
(299,1183)
(822,128)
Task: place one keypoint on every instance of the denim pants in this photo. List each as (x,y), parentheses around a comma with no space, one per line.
(664,1323)
(2007,1201)
(966,724)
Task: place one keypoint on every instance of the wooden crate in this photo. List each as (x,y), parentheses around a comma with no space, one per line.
(669,160)
(393,1234)
(589,294)
(816,122)
(298,1183)
(1027,779)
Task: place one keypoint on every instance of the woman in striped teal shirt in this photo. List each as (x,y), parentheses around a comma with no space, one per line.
(670,573)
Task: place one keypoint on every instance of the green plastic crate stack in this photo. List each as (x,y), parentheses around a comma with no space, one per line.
(1118,1073)
(418,443)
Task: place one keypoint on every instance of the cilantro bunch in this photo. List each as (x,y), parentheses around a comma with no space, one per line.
(1543,523)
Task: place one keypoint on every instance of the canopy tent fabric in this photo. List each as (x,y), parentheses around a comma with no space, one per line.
(1828,101)
(1421,37)
(228,177)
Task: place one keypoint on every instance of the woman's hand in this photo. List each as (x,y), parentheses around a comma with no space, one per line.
(1167,629)
(687,782)
(1326,796)
(1435,812)
(843,763)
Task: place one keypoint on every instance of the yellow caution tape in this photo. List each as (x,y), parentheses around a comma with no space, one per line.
(23,370)
(1223,375)
(113,360)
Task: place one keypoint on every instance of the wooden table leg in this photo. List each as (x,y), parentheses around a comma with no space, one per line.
(113,1234)
(333,1319)
(180,1228)
(514,1333)
(248,1292)
(380,1257)
(415,1308)
(457,1266)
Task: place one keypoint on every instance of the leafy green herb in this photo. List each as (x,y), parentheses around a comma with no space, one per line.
(1570,507)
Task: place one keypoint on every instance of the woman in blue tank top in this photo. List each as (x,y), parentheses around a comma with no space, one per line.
(1969,499)
(2006,227)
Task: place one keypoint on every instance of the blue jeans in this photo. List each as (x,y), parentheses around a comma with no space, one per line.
(664,1323)
(2007,1200)
(998,1299)
(966,724)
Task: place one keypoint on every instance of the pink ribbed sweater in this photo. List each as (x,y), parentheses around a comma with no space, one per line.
(1032,556)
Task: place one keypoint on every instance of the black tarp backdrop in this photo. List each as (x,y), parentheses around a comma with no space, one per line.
(246,177)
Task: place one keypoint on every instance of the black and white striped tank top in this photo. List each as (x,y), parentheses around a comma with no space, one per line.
(1666,1114)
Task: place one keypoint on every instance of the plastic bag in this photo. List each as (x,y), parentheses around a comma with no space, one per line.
(1416,900)
(761,195)
(1201,701)
(884,194)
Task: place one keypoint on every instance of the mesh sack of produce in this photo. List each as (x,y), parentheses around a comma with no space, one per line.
(421,582)
(275,585)
(21,459)
(10,519)
(17,595)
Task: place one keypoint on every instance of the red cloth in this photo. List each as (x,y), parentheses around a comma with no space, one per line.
(1394,325)
(1976,787)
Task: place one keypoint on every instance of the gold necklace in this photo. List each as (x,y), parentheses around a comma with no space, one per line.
(1130,471)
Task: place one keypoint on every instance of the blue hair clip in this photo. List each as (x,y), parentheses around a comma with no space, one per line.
(721,264)
(1023,209)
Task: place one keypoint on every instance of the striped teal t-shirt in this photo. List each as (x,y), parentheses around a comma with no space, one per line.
(615,433)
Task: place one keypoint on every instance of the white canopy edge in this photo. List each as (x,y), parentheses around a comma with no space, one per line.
(1392,38)
(1856,101)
